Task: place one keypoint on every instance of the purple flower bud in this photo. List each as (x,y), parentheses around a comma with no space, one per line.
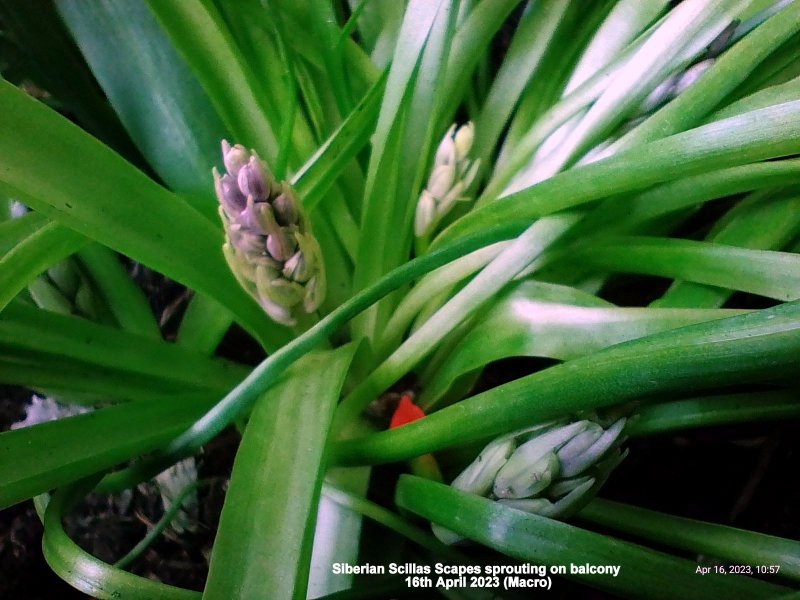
(269,246)
(252,180)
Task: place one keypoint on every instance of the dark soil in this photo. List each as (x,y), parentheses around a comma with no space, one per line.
(109,526)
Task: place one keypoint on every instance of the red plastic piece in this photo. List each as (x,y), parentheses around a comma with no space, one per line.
(406,412)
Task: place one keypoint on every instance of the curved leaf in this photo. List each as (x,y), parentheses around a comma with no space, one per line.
(61,171)
(536,319)
(263,545)
(767,273)
(33,255)
(87,573)
(643,573)
(746,348)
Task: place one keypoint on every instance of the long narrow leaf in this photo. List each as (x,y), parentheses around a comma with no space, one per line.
(162,106)
(768,273)
(708,411)
(56,168)
(530,321)
(750,347)
(739,547)
(197,31)
(642,573)
(36,459)
(263,545)
(26,329)
(757,135)
(34,255)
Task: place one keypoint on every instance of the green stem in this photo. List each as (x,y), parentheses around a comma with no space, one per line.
(715,410)
(242,397)
(745,348)
(160,526)
(737,546)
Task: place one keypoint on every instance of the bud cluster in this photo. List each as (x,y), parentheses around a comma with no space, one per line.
(453,172)
(269,245)
(64,288)
(549,470)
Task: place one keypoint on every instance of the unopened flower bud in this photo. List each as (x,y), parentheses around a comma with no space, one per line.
(551,469)
(269,245)
(234,158)
(478,477)
(522,475)
(451,176)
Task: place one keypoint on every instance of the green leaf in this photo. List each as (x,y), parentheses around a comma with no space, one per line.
(79,381)
(624,23)
(629,213)
(432,285)
(162,106)
(378,25)
(401,144)
(643,573)
(263,545)
(513,259)
(124,298)
(531,41)
(746,348)
(36,459)
(536,319)
(714,410)
(198,32)
(204,324)
(14,231)
(244,395)
(33,255)
(760,222)
(54,64)
(735,546)
(767,273)
(688,28)
(777,94)
(730,69)
(753,136)
(86,573)
(470,44)
(321,171)
(61,171)
(24,329)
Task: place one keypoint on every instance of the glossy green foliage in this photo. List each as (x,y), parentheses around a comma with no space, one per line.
(34,254)
(750,347)
(735,545)
(114,203)
(530,538)
(155,95)
(281,458)
(42,457)
(586,174)
(535,319)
